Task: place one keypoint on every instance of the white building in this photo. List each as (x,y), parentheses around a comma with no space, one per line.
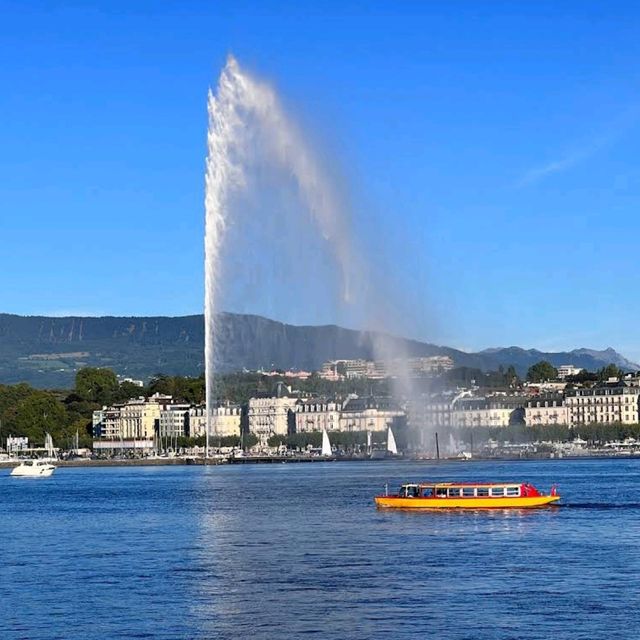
(317,414)
(491,411)
(226,420)
(566,370)
(604,404)
(271,416)
(174,420)
(546,410)
(197,421)
(370,414)
(136,419)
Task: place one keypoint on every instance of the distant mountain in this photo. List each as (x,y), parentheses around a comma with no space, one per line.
(46,352)
(590,359)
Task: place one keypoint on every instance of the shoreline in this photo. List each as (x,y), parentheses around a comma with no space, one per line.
(161,462)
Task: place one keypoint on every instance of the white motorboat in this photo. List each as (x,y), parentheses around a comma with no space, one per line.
(37,468)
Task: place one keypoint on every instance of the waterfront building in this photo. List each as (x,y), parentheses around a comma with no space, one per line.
(226,420)
(274,415)
(490,411)
(546,410)
(431,410)
(138,418)
(370,414)
(197,421)
(604,404)
(174,420)
(317,414)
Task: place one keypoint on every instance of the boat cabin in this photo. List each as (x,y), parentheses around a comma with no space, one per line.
(467,490)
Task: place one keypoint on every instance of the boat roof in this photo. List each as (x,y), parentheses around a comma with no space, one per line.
(463,484)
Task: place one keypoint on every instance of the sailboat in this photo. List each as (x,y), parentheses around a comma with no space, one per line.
(326,444)
(48,445)
(391,443)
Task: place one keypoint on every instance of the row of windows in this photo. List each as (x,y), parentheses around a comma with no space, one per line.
(460,492)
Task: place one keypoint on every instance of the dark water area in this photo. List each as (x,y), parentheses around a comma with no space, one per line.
(292,551)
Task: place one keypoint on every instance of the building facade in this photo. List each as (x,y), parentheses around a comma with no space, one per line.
(317,415)
(226,420)
(603,404)
(546,410)
(271,416)
(491,411)
(370,414)
(174,420)
(566,370)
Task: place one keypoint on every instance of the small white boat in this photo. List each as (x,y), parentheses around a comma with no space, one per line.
(38,468)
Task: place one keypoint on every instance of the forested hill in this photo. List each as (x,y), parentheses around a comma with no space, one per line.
(46,352)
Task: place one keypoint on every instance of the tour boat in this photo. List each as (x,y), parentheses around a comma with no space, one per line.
(467,495)
(38,468)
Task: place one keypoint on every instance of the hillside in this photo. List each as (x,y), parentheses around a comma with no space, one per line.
(46,352)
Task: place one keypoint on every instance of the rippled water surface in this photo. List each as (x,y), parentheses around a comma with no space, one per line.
(287,551)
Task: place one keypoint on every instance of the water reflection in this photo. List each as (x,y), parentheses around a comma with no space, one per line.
(289,551)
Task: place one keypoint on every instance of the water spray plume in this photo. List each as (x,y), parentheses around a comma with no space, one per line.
(246,120)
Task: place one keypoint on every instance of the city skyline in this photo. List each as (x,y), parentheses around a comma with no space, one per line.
(488,153)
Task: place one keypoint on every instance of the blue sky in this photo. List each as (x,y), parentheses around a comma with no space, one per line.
(490,153)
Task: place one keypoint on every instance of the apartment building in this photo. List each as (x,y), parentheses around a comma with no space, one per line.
(545,410)
(317,414)
(604,404)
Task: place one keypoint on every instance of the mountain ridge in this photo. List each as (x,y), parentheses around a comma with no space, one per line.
(47,351)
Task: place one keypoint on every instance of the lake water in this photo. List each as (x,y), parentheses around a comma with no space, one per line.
(288,551)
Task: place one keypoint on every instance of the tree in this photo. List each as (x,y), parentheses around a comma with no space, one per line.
(97,385)
(38,413)
(610,371)
(511,376)
(276,440)
(542,371)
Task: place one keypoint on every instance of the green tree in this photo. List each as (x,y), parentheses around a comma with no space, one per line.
(542,371)
(38,413)
(97,385)
(610,371)
(276,440)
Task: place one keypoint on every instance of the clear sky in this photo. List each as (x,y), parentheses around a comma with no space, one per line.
(490,152)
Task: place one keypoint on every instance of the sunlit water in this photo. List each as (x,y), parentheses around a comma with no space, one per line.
(288,551)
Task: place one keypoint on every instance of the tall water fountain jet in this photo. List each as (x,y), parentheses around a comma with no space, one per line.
(246,121)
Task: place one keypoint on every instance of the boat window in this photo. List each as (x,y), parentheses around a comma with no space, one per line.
(403,492)
(497,491)
(441,492)
(482,492)
(468,492)
(427,492)
(412,491)
(513,491)
(454,493)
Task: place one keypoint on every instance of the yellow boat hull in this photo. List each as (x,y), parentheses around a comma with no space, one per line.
(393,502)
